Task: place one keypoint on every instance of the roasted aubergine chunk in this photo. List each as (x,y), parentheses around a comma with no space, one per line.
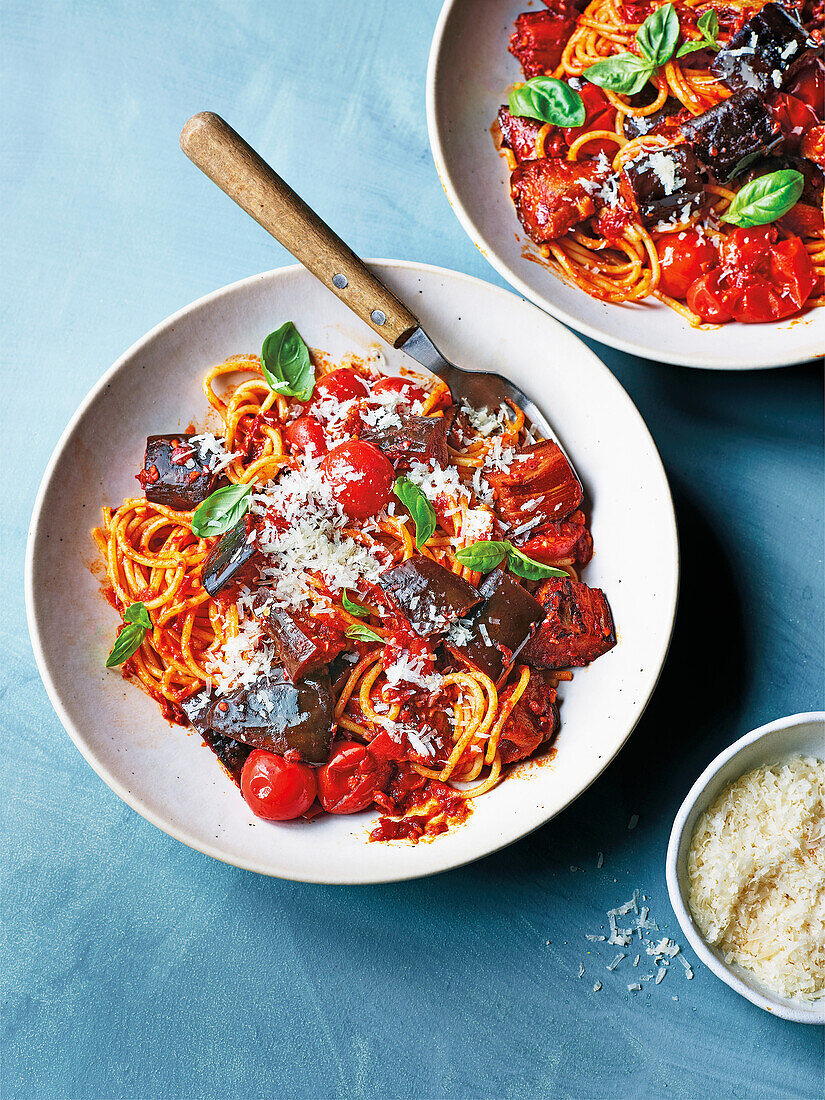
(494,633)
(227,558)
(413,439)
(764,52)
(519,133)
(733,133)
(175,473)
(303,642)
(274,714)
(553,195)
(578,626)
(232,754)
(664,183)
(539,483)
(430,596)
(533,721)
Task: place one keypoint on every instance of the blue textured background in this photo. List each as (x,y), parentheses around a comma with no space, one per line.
(138,968)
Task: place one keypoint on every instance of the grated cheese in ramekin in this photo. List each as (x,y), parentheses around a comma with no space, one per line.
(757,876)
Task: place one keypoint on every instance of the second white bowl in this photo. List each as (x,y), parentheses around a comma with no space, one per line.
(774,743)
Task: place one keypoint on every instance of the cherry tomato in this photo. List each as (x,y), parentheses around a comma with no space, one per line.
(792,271)
(408,390)
(745,250)
(684,257)
(361,476)
(306,434)
(809,85)
(343,384)
(705,298)
(349,781)
(277,788)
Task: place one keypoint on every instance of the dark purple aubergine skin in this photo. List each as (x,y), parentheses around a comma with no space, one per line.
(635,125)
(299,651)
(228,557)
(175,486)
(274,714)
(732,134)
(754,56)
(232,754)
(427,594)
(509,615)
(649,192)
(418,439)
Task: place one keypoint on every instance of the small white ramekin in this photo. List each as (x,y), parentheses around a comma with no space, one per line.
(799,734)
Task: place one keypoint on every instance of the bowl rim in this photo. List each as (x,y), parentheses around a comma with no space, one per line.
(777,1007)
(708,361)
(111,779)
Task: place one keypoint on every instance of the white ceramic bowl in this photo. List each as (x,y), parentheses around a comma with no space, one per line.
(800,734)
(468,77)
(162,771)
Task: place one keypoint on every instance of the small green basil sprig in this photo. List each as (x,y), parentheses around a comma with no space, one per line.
(708,24)
(487,555)
(419,508)
(627,73)
(286,363)
(356,609)
(363,633)
(138,625)
(548,100)
(765,199)
(222,510)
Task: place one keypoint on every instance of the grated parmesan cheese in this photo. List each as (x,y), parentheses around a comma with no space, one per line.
(757,876)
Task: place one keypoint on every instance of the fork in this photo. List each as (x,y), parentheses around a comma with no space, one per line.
(224,156)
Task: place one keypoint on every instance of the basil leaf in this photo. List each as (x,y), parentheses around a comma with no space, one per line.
(766,198)
(623,73)
(286,363)
(353,607)
(708,24)
(419,508)
(548,100)
(222,510)
(529,568)
(131,636)
(136,613)
(483,556)
(658,35)
(363,633)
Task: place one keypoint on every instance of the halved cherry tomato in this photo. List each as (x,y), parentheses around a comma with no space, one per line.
(403,386)
(306,434)
(361,476)
(683,257)
(343,384)
(705,298)
(277,788)
(349,781)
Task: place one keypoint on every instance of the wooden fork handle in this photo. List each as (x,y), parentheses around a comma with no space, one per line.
(225,157)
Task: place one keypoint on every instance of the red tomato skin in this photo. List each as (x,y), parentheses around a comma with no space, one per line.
(350,779)
(410,391)
(705,298)
(792,270)
(343,384)
(684,257)
(306,434)
(363,496)
(276,788)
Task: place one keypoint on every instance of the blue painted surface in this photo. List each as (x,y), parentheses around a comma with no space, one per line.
(138,968)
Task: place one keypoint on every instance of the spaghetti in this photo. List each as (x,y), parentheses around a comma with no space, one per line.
(611,208)
(435,693)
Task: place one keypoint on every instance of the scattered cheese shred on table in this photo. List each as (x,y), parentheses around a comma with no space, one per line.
(757,876)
